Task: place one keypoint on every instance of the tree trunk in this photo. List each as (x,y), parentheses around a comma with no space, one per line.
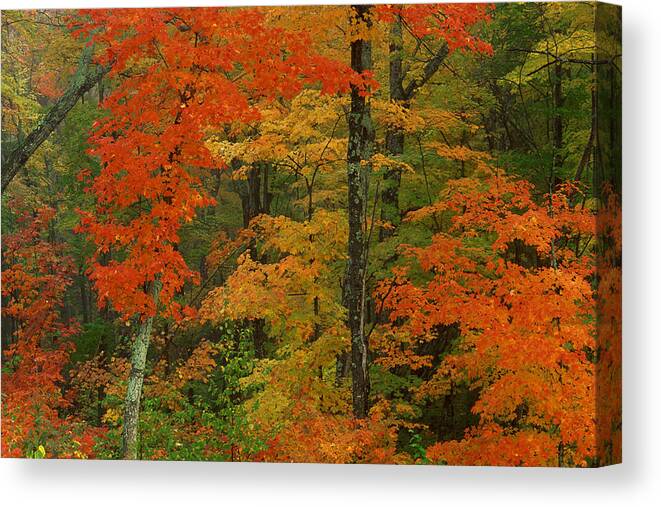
(587,151)
(401,95)
(256,200)
(84,80)
(394,136)
(136,378)
(558,102)
(361,139)
(84,298)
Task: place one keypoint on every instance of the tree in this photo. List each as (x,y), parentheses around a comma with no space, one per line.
(293,289)
(359,152)
(33,286)
(86,76)
(187,71)
(448,23)
(527,341)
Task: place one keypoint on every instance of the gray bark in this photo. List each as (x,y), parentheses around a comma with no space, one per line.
(136,379)
(86,76)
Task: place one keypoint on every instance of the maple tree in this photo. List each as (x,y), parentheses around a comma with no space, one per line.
(32,397)
(526,344)
(183,85)
(426,24)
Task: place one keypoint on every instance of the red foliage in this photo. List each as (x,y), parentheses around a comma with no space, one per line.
(34,285)
(449,22)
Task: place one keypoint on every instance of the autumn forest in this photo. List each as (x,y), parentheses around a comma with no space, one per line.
(339,234)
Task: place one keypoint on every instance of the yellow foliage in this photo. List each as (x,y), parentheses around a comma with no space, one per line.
(392,115)
(297,135)
(111,417)
(379,161)
(298,297)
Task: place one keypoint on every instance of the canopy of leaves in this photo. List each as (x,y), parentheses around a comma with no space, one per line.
(202,187)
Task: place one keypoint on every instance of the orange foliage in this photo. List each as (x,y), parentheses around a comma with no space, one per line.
(609,330)
(184,73)
(316,437)
(492,446)
(527,339)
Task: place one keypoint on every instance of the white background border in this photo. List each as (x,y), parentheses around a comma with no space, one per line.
(636,482)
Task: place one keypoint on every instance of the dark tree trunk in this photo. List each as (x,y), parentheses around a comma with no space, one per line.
(558,102)
(255,195)
(256,200)
(401,95)
(361,139)
(84,298)
(394,136)
(587,151)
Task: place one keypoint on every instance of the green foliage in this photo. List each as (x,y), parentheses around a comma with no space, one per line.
(95,337)
(210,422)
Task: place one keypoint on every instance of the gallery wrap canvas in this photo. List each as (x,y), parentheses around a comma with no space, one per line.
(325,234)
